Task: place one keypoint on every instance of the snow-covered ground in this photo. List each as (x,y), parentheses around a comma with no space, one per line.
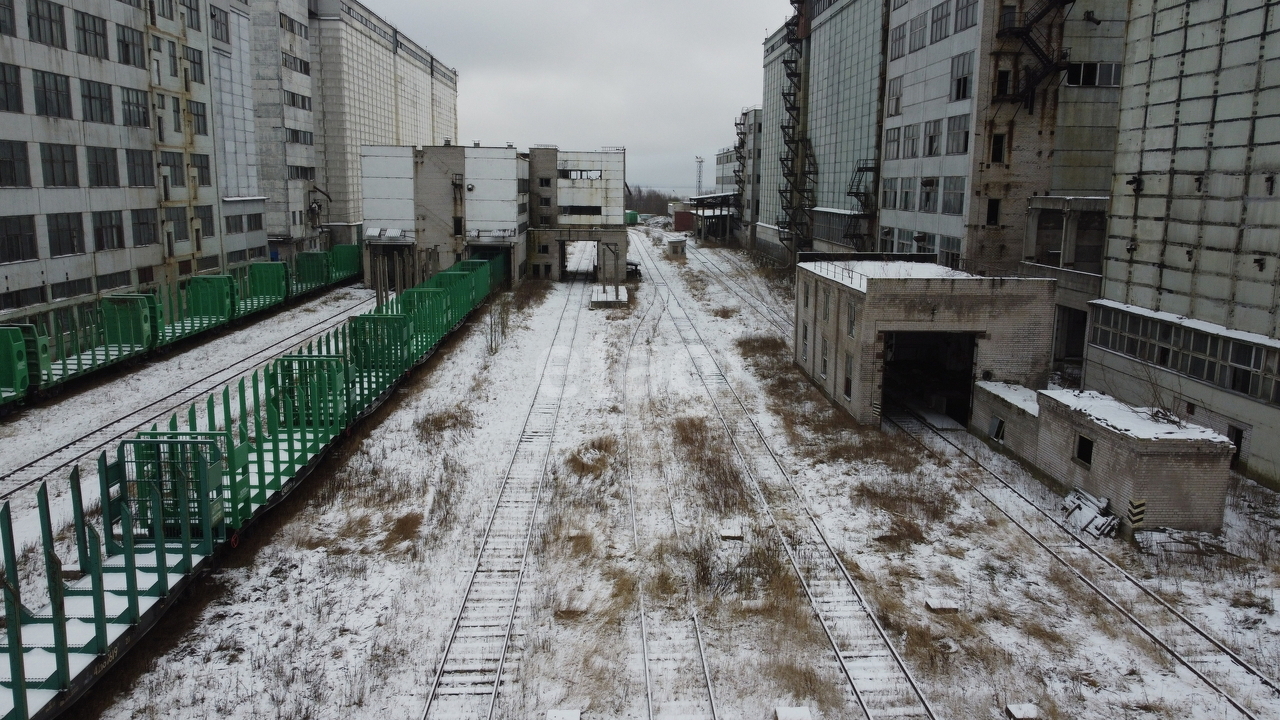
(344,612)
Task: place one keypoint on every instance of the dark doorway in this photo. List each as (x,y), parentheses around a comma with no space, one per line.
(930,370)
(481,252)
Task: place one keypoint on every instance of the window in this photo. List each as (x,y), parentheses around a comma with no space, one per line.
(15,168)
(522,186)
(966,14)
(184,267)
(544,182)
(66,234)
(8,23)
(933,138)
(292,99)
(941,22)
(995,429)
(44,23)
(1084,450)
(219,24)
(177,219)
(138,168)
(195,60)
(114,280)
(237,256)
(233,224)
(104,168)
(299,172)
(893,95)
(522,209)
(1093,74)
(544,249)
(581,174)
(993,211)
(177,112)
(129,47)
(949,251)
(457,226)
(806,295)
(133,108)
(204,178)
(581,210)
(18,238)
(15,299)
(544,220)
(204,214)
(95,102)
(929,194)
(848,376)
(919,24)
(889,193)
(58,163)
(898,42)
(953,195)
(907,193)
(891,143)
(209,262)
(53,94)
(804,341)
(1004,83)
(253,222)
(193,13)
(108,230)
(1008,16)
(293,26)
(544,202)
(173,162)
(926,243)
(144,228)
(70,288)
(10,88)
(295,64)
(299,137)
(851,322)
(91,35)
(958,135)
(826,304)
(824,357)
(997,148)
(199,117)
(173,57)
(165,9)
(146,275)
(962,76)
(910,141)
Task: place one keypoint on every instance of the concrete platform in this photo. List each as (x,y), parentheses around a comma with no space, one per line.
(609,296)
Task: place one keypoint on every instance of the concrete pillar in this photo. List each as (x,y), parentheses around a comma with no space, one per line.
(1069,233)
(1029,234)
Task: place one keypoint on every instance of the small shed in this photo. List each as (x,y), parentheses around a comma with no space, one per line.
(675,247)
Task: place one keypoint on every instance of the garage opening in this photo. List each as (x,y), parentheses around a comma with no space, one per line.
(930,371)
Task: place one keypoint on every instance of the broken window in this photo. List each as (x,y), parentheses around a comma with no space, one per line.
(995,430)
(1084,450)
(804,341)
(824,356)
(581,174)
(848,376)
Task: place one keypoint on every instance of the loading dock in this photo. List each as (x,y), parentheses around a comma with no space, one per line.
(932,370)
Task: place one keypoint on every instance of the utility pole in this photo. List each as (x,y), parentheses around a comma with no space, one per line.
(698,192)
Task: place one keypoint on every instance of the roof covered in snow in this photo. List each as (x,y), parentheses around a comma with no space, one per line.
(1140,423)
(1016,395)
(855,273)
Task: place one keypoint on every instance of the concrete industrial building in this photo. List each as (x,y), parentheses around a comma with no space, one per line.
(750,131)
(727,169)
(578,196)
(115,117)
(870,332)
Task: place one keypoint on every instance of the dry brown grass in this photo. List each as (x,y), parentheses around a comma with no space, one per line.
(907,497)
(404,529)
(725,312)
(799,679)
(530,293)
(592,458)
(445,425)
(716,478)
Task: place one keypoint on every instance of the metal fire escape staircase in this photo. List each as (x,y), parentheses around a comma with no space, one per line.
(739,172)
(862,188)
(1034,28)
(799,164)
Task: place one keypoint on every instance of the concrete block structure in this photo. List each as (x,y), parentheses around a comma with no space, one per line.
(577,196)
(1156,470)
(1190,317)
(874,331)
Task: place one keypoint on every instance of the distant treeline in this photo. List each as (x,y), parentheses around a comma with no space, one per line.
(650,202)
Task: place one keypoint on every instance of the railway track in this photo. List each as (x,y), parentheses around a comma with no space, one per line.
(1192,647)
(470,670)
(676,676)
(878,679)
(752,298)
(57,463)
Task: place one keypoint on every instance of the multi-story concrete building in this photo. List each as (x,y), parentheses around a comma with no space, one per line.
(108,148)
(375,86)
(750,130)
(821,119)
(578,196)
(726,171)
(1190,315)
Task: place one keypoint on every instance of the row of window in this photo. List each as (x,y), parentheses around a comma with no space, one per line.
(1231,364)
(60,166)
(901,194)
(931,26)
(295,64)
(52,93)
(46,24)
(66,234)
(293,99)
(300,172)
(289,24)
(904,142)
(299,137)
(902,240)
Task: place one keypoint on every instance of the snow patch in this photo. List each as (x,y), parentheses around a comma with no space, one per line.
(1016,395)
(1140,423)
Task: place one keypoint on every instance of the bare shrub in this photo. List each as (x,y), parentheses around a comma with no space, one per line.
(592,459)
(717,479)
(901,496)
(725,312)
(445,425)
(404,529)
(803,682)
(530,293)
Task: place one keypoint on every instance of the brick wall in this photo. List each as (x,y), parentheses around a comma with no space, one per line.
(1021,428)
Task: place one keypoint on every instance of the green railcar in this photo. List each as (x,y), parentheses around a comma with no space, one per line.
(311,270)
(345,262)
(260,286)
(82,340)
(194,306)
(632,217)
(15,378)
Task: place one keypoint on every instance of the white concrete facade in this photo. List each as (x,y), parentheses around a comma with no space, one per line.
(589,181)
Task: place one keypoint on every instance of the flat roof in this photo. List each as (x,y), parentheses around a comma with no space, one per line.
(1140,423)
(855,273)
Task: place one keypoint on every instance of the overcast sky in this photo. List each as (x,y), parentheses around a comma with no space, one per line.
(665,78)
